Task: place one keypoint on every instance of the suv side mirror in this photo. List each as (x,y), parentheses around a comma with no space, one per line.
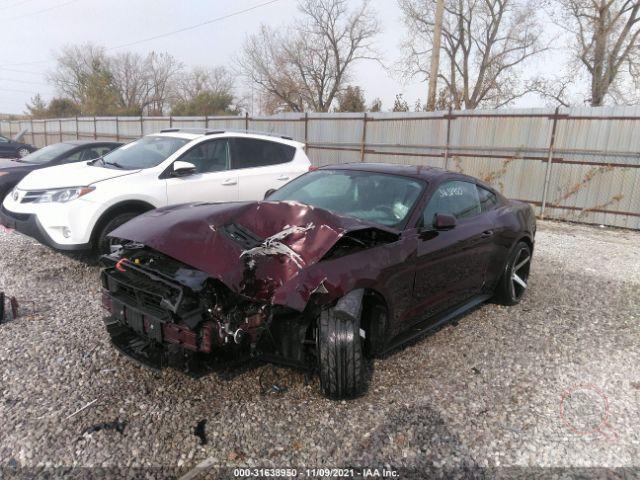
(183,169)
(444,221)
(269,192)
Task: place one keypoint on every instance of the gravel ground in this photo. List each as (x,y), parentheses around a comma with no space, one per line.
(552,382)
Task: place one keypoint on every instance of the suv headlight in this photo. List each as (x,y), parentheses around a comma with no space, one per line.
(62,195)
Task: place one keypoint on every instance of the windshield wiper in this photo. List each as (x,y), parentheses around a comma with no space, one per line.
(114,164)
(93,162)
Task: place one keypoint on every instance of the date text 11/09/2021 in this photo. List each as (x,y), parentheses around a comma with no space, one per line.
(315,472)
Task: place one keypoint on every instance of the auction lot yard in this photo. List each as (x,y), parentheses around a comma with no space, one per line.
(552,382)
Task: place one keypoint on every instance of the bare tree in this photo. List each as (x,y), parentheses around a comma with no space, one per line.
(163,70)
(76,66)
(217,80)
(132,79)
(485,46)
(306,66)
(606,34)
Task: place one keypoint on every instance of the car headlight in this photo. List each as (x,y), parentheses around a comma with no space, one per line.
(2,174)
(62,195)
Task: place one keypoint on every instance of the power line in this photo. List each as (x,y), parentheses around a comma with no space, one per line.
(191,27)
(17,91)
(23,81)
(39,11)
(163,35)
(20,71)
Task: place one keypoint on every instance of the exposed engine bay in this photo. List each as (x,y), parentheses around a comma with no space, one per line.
(165,313)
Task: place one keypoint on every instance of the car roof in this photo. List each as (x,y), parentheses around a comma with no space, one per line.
(91,142)
(201,133)
(422,172)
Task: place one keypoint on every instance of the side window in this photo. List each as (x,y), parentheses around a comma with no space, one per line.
(456,198)
(212,156)
(250,153)
(488,199)
(74,157)
(96,152)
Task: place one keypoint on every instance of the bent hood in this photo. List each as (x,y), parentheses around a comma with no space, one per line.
(254,248)
(70,175)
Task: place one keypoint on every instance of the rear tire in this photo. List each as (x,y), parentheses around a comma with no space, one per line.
(340,355)
(103,242)
(513,283)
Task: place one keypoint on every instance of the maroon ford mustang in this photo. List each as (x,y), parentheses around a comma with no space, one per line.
(340,265)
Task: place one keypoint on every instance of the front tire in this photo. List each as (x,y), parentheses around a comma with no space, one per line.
(23,152)
(340,356)
(103,241)
(513,282)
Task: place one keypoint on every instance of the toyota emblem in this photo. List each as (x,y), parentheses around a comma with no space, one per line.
(15,195)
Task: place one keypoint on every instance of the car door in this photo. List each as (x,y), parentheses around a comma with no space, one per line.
(213,180)
(260,165)
(451,264)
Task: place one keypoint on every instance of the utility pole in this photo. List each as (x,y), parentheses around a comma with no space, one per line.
(435,57)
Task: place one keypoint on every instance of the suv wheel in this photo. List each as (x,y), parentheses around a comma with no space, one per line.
(340,355)
(23,152)
(103,241)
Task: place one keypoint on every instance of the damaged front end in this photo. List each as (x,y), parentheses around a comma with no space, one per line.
(199,285)
(164,313)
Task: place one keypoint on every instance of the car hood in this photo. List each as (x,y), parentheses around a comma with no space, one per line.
(255,248)
(11,165)
(70,175)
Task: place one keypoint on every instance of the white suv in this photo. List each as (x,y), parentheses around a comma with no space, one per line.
(75,206)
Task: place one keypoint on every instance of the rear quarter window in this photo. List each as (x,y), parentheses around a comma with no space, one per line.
(251,153)
(488,199)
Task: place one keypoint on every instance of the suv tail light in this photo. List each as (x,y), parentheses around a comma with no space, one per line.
(313,168)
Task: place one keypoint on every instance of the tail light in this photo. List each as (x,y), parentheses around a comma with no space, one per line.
(313,168)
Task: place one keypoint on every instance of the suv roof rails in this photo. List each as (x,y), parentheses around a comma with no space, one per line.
(205,131)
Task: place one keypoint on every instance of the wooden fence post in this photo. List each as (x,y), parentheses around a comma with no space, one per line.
(33,135)
(117,129)
(77,129)
(306,129)
(60,129)
(95,128)
(547,174)
(46,140)
(246,121)
(141,126)
(363,140)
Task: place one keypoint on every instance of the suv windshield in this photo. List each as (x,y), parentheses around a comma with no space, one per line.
(374,197)
(144,153)
(48,153)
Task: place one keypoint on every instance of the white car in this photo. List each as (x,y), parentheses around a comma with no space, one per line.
(75,206)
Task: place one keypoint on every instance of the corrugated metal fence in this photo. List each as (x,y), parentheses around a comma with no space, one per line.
(578,164)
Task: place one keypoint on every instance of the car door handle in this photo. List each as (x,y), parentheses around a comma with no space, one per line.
(283,178)
(487,234)
(229,181)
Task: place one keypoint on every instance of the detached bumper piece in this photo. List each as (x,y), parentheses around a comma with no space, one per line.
(8,308)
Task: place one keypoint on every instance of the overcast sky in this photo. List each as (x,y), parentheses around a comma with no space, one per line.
(32,30)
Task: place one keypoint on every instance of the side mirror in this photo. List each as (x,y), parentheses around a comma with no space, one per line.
(183,169)
(444,221)
(269,192)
